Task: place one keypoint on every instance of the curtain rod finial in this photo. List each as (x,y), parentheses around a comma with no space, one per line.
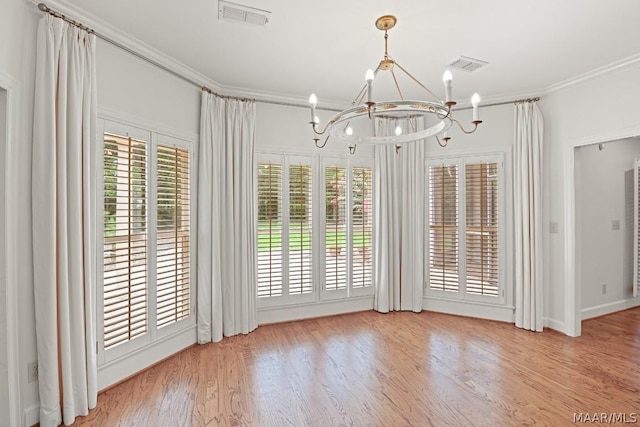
(43,7)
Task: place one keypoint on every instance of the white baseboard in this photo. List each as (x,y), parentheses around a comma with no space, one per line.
(114,372)
(308,311)
(612,307)
(31,415)
(554,324)
(470,309)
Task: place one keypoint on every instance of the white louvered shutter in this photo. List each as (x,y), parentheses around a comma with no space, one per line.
(443,228)
(269,230)
(125,239)
(482,243)
(300,229)
(362,227)
(173,213)
(335,228)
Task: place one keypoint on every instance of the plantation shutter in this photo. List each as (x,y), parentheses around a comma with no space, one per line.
(443,228)
(269,229)
(335,228)
(362,227)
(482,245)
(300,230)
(173,235)
(125,239)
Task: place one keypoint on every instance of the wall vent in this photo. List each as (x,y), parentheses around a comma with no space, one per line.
(240,13)
(465,63)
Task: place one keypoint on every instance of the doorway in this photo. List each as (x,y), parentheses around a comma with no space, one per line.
(604,199)
(572,285)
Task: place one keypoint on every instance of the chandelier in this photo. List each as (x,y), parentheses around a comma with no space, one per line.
(401,111)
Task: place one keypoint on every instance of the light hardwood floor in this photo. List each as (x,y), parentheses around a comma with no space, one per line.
(397,369)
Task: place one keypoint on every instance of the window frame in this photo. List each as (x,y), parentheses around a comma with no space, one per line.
(153,334)
(461,160)
(349,291)
(286,160)
(318,164)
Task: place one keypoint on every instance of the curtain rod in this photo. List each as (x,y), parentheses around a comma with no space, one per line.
(46,9)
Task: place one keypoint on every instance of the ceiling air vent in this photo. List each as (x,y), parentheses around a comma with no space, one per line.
(467,64)
(241,13)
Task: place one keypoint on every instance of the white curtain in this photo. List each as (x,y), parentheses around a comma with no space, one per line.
(387,230)
(528,215)
(226,219)
(412,255)
(64,140)
(399,216)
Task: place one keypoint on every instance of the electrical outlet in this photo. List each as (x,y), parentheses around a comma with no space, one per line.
(615,224)
(32,372)
(604,289)
(553,227)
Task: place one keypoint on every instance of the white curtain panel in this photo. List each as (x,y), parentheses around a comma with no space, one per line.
(528,215)
(227,268)
(412,254)
(399,216)
(64,140)
(386,277)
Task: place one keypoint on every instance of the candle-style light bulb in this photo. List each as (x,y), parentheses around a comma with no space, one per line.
(313,101)
(348,131)
(398,131)
(447,77)
(369,78)
(475,101)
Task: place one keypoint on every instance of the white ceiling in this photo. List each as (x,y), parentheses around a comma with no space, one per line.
(326,46)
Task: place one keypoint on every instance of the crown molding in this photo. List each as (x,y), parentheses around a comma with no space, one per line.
(136,46)
(621,65)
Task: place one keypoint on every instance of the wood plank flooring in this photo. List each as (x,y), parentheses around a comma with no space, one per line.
(397,369)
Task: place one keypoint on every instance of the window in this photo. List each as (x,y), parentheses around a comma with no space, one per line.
(348,229)
(285,229)
(443,227)
(125,239)
(362,226)
(292,193)
(269,230)
(145,286)
(335,227)
(172,235)
(465,238)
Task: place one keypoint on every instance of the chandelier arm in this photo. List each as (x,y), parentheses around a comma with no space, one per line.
(315,140)
(446,141)
(314,126)
(417,81)
(475,126)
(397,85)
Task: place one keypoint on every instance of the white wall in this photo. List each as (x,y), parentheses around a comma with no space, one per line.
(18,20)
(604,107)
(601,197)
(130,86)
